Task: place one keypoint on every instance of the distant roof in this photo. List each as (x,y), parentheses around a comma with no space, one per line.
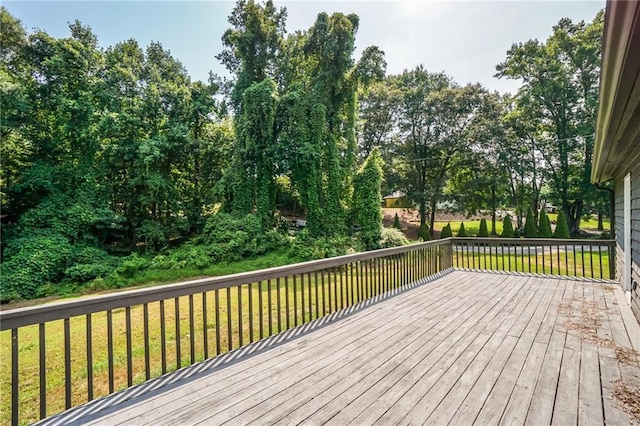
(397,194)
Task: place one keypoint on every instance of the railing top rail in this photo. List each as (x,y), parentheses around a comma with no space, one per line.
(535,241)
(66,309)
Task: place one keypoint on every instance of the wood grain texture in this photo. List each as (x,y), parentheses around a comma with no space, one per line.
(466,348)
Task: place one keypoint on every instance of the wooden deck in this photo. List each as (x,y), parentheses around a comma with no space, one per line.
(467,347)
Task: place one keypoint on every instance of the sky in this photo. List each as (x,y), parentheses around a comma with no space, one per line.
(466,39)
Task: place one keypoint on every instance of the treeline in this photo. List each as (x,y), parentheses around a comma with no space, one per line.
(108,152)
(475,150)
(115,162)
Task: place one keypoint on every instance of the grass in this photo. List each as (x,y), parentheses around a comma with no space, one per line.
(150,277)
(473,226)
(323,293)
(587,264)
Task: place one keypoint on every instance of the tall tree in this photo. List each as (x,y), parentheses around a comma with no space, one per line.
(252,46)
(561,87)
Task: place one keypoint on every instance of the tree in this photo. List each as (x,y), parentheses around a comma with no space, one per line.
(562,228)
(367,198)
(461,232)
(423,232)
(507,227)
(446,231)
(544,226)
(560,92)
(251,49)
(396,222)
(530,229)
(437,124)
(483,232)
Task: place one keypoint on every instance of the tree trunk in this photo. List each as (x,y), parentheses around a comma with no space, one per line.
(573,217)
(600,222)
(423,210)
(493,210)
(432,219)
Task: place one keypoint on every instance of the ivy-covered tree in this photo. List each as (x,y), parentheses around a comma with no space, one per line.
(367,198)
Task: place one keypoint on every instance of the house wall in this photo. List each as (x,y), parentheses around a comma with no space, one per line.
(635,231)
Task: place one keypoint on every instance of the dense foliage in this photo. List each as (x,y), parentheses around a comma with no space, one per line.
(116,164)
(365,206)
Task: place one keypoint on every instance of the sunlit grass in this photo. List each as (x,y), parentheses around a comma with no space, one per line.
(313,295)
(588,264)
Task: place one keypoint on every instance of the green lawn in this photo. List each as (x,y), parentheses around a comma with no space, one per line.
(473,226)
(319,294)
(589,264)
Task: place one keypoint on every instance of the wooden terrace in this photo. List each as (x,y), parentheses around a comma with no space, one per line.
(454,346)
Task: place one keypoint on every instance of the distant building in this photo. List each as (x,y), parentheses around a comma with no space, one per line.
(397,199)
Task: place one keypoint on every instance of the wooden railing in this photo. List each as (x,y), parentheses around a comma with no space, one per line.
(64,354)
(575,258)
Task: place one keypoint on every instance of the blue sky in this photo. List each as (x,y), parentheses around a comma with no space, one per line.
(464,38)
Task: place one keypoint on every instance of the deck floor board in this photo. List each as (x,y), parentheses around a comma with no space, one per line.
(467,347)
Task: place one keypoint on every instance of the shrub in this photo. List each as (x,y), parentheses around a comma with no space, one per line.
(446,231)
(483,232)
(507,227)
(392,237)
(34,262)
(230,238)
(423,232)
(530,229)
(306,247)
(544,225)
(461,232)
(396,222)
(562,228)
(84,272)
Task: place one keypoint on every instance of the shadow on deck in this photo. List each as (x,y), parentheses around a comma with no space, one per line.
(460,348)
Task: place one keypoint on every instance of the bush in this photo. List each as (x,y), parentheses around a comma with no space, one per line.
(461,232)
(446,231)
(231,238)
(396,222)
(483,232)
(544,225)
(562,228)
(423,232)
(33,262)
(306,247)
(530,229)
(84,272)
(507,227)
(392,237)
